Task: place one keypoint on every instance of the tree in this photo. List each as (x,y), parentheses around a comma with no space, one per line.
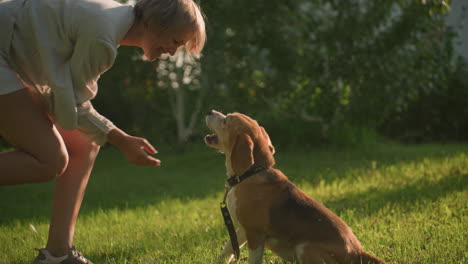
(327,68)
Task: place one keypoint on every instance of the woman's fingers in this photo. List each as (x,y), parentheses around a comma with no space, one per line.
(137,150)
(148,160)
(148,147)
(153,162)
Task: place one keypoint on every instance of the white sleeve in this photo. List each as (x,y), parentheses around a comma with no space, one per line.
(89,60)
(92,124)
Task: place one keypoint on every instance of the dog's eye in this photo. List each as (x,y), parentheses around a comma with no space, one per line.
(224,120)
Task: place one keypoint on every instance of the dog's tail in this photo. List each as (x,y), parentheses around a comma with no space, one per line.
(367,258)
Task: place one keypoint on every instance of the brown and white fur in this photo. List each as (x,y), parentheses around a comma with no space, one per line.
(268,210)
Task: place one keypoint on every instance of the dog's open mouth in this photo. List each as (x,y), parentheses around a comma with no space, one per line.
(211,139)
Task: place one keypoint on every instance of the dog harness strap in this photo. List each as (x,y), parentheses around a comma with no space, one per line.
(231,230)
(234,180)
(231,182)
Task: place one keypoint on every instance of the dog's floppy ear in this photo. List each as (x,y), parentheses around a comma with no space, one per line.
(242,153)
(265,136)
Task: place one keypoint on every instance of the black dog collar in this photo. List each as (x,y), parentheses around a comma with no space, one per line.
(234,180)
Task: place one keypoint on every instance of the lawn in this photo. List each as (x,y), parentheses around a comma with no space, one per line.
(406,204)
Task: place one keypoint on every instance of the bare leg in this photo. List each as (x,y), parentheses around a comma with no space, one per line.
(41,153)
(69,190)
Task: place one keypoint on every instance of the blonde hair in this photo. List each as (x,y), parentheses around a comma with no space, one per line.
(166,15)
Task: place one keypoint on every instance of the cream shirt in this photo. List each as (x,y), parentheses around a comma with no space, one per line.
(61,47)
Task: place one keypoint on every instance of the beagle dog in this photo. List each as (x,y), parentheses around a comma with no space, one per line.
(268,210)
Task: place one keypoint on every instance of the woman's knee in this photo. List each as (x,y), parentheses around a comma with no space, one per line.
(53,165)
(25,123)
(79,152)
(79,145)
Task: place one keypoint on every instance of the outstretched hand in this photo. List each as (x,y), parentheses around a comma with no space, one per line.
(137,150)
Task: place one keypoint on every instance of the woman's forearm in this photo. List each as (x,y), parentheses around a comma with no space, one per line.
(116,137)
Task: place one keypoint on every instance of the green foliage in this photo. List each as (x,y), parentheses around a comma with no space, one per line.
(437,115)
(306,69)
(347,135)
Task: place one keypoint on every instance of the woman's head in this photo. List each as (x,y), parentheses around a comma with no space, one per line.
(171,23)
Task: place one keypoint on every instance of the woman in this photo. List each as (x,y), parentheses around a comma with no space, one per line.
(52,53)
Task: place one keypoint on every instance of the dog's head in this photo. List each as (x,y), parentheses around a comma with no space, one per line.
(241,139)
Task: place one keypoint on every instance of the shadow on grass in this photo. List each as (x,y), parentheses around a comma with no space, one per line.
(329,165)
(370,202)
(200,174)
(117,184)
(172,246)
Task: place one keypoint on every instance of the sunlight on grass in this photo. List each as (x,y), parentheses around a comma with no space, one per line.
(406,204)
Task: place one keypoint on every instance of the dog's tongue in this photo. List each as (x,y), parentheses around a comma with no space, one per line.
(212,139)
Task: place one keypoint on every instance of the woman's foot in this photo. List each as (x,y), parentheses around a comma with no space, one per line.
(72,257)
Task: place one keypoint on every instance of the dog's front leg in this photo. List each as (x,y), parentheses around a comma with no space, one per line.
(256,243)
(228,251)
(256,255)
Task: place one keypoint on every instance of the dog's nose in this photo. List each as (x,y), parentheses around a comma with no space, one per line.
(210,112)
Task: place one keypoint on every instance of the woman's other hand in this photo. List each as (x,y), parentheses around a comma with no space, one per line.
(137,150)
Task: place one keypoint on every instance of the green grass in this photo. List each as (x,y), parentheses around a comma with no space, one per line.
(406,204)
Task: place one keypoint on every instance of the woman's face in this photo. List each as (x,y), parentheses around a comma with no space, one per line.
(155,45)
